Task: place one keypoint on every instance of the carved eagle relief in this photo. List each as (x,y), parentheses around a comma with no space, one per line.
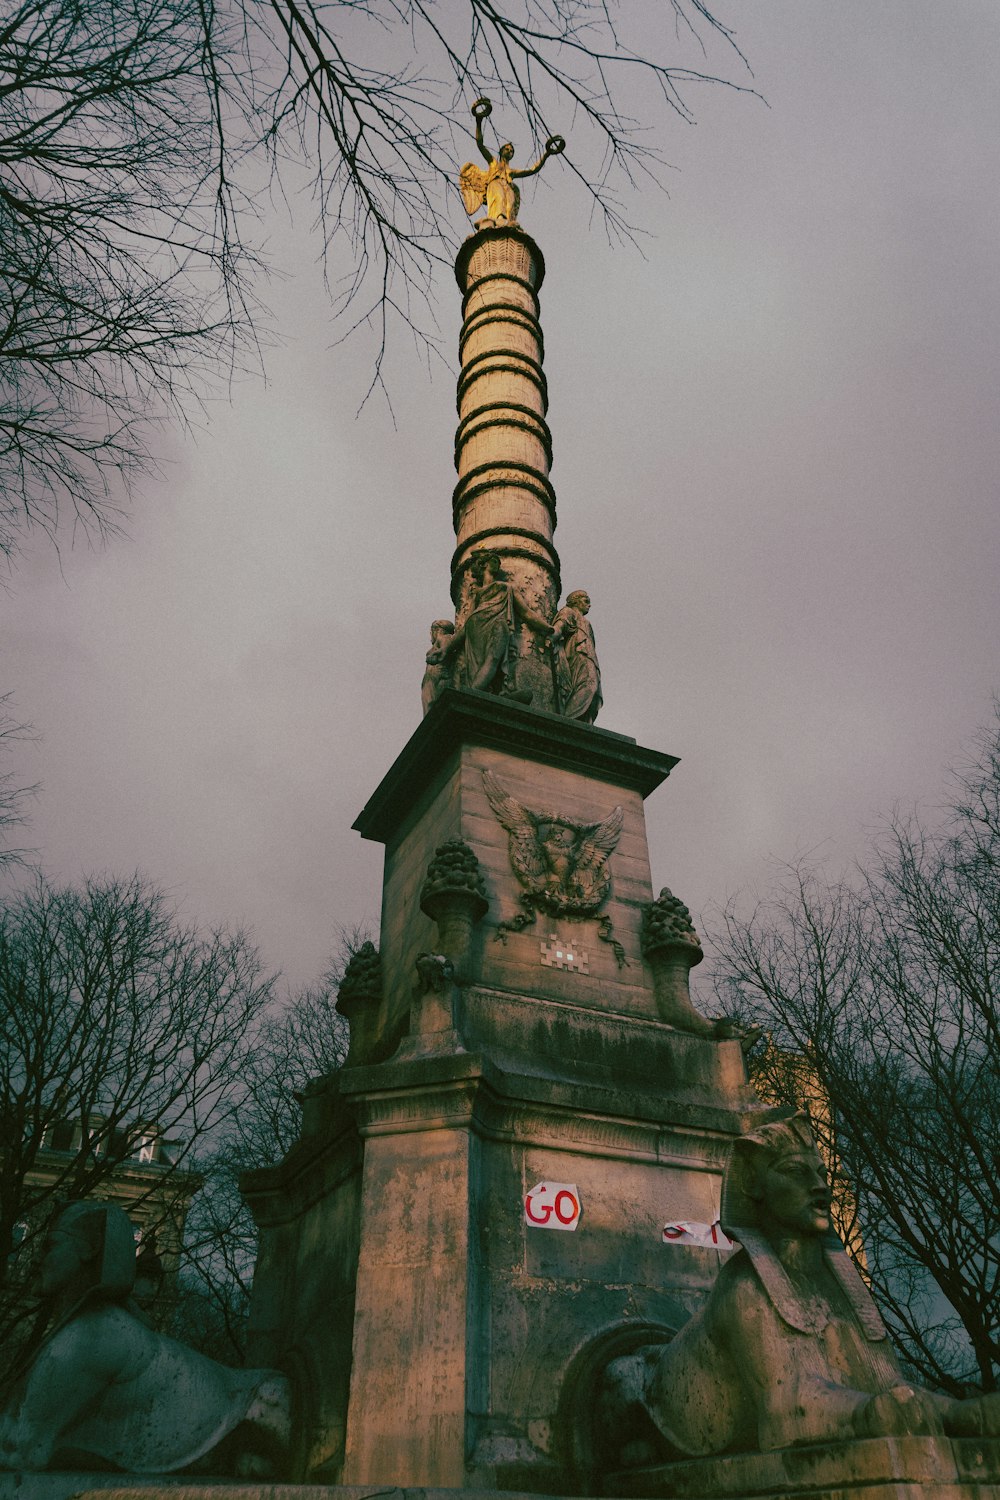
(562,865)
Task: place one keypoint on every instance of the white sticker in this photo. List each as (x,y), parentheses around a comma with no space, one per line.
(553,1205)
(684,1232)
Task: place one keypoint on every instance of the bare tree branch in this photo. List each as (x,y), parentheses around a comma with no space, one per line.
(300,1040)
(128,134)
(123,279)
(115,1019)
(14,797)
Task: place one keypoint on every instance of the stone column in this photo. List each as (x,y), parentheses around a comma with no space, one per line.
(504,501)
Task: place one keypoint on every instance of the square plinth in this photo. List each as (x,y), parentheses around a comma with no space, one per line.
(445,785)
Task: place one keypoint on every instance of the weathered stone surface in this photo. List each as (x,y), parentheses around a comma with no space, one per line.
(900,1468)
(302,1314)
(468,1321)
(410,1363)
(472,1321)
(403,794)
(911,1468)
(467,1328)
(436,790)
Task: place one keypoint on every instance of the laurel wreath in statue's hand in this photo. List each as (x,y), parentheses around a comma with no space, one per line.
(555,145)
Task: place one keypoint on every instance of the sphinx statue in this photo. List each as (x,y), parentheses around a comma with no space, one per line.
(104,1390)
(789,1348)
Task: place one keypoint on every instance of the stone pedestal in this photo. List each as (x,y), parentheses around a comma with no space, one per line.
(902,1468)
(909,1468)
(454,1354)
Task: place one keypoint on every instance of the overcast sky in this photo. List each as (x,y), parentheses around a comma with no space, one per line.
(777,450)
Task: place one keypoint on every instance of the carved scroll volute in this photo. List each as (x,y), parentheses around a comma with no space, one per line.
(454,897)
(359,999)
(671,948)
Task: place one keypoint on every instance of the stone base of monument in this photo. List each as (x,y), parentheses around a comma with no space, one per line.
(80,1486)
(897,1468)
(901,1468)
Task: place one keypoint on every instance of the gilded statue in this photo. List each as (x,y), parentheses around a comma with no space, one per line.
(790,1347)
(578,672)
(106,1391)
(496,187)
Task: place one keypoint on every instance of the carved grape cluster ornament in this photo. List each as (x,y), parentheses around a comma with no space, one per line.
(362,981)
(666,921)
(359,1000)
(453,870)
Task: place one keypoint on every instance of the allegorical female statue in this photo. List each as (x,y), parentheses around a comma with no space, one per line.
(789,1347)
(579,675)
(489,632)
(495,187)
(105,1390)
(437,669)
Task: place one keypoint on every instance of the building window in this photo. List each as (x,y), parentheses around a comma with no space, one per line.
(144,1147)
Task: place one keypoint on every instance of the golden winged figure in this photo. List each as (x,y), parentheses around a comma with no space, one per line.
(496,187)
(563,866)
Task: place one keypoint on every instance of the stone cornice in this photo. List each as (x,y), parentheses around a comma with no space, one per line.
(464,717)
(465,1091)
(310,1171)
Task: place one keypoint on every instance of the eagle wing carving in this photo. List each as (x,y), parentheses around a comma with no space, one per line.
(562,865)
(603,836)
(472,186)
(525,855)
(592,875)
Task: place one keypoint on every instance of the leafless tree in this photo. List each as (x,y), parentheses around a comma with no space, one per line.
(302,1039)
(886,988)
(120,265)
(128,140)
(14,795)
(116,1019)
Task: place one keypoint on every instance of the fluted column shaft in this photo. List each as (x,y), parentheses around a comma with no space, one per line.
(503,451)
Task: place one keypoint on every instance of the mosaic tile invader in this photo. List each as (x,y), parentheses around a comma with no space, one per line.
(558,953)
